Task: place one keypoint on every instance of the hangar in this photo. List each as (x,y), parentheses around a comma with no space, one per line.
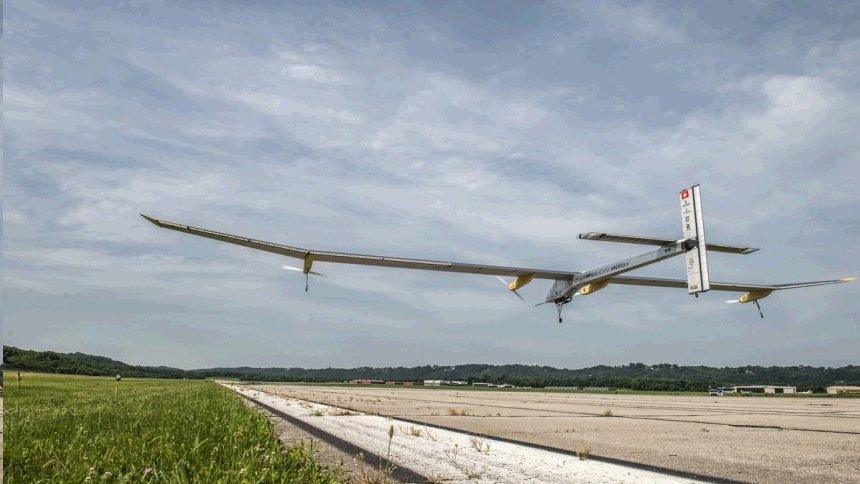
(843,390)
(439,383)
(765,389)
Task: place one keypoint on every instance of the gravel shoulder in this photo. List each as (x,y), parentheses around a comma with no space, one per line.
(353,468)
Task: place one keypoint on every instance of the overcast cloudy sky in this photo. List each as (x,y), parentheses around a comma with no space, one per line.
(476,132)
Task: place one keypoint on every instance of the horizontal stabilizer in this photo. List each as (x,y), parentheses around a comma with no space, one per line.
(721,286)
(635,239)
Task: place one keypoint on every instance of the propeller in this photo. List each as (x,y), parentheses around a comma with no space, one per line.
(299,269)
(506,285)
(760,312)
(307,274)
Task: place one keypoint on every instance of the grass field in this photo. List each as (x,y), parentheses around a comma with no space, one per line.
(64,428)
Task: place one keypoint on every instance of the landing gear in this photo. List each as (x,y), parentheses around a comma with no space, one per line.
(559,303)
(760,313)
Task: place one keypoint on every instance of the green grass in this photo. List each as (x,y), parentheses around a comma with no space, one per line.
(61,428)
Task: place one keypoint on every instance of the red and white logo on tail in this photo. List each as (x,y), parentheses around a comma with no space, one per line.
(696,258)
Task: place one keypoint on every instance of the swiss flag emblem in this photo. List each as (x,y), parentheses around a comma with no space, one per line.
(685,194)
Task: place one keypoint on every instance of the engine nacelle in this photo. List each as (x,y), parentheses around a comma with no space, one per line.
(521,281)
(754,296)
(592,288)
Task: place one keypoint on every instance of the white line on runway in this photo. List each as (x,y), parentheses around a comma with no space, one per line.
(446,455)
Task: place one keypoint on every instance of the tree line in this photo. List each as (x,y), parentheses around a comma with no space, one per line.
(635,376)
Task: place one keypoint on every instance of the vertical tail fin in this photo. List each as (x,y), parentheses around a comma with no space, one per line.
(696,256)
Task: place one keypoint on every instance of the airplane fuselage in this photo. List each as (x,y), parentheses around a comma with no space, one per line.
(563,290)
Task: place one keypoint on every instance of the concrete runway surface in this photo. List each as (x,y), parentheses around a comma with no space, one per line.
(760,439)
(440,455)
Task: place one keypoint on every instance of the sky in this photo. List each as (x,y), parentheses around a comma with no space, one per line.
(488,132)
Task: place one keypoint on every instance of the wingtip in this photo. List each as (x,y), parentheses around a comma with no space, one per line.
(848,279)
(151,219)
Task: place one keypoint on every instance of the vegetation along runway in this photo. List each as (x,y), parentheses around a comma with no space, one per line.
(63,428)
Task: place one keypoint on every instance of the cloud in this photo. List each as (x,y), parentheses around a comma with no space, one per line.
(637,21)
(459,140)
(796,105)
(309,72)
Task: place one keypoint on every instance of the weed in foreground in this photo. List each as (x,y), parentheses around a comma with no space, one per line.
(390,438)
(469,472)
(372,475)
(459,412)
(479,444)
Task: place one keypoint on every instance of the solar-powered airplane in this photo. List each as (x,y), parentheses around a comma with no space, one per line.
(567,284)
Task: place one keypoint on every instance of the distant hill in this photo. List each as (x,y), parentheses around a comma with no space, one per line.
(80,364)
(637,376)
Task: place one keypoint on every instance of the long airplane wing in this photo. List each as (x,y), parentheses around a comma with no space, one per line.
(720,286)
(362,259)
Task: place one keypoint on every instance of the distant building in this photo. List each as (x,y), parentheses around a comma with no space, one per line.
(482,384)
(843,390)
(438,383)
(764,389)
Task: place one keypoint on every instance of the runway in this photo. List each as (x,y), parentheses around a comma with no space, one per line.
(735,438)
(430,454)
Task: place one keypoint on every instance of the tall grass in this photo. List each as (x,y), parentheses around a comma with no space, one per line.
(77,429)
